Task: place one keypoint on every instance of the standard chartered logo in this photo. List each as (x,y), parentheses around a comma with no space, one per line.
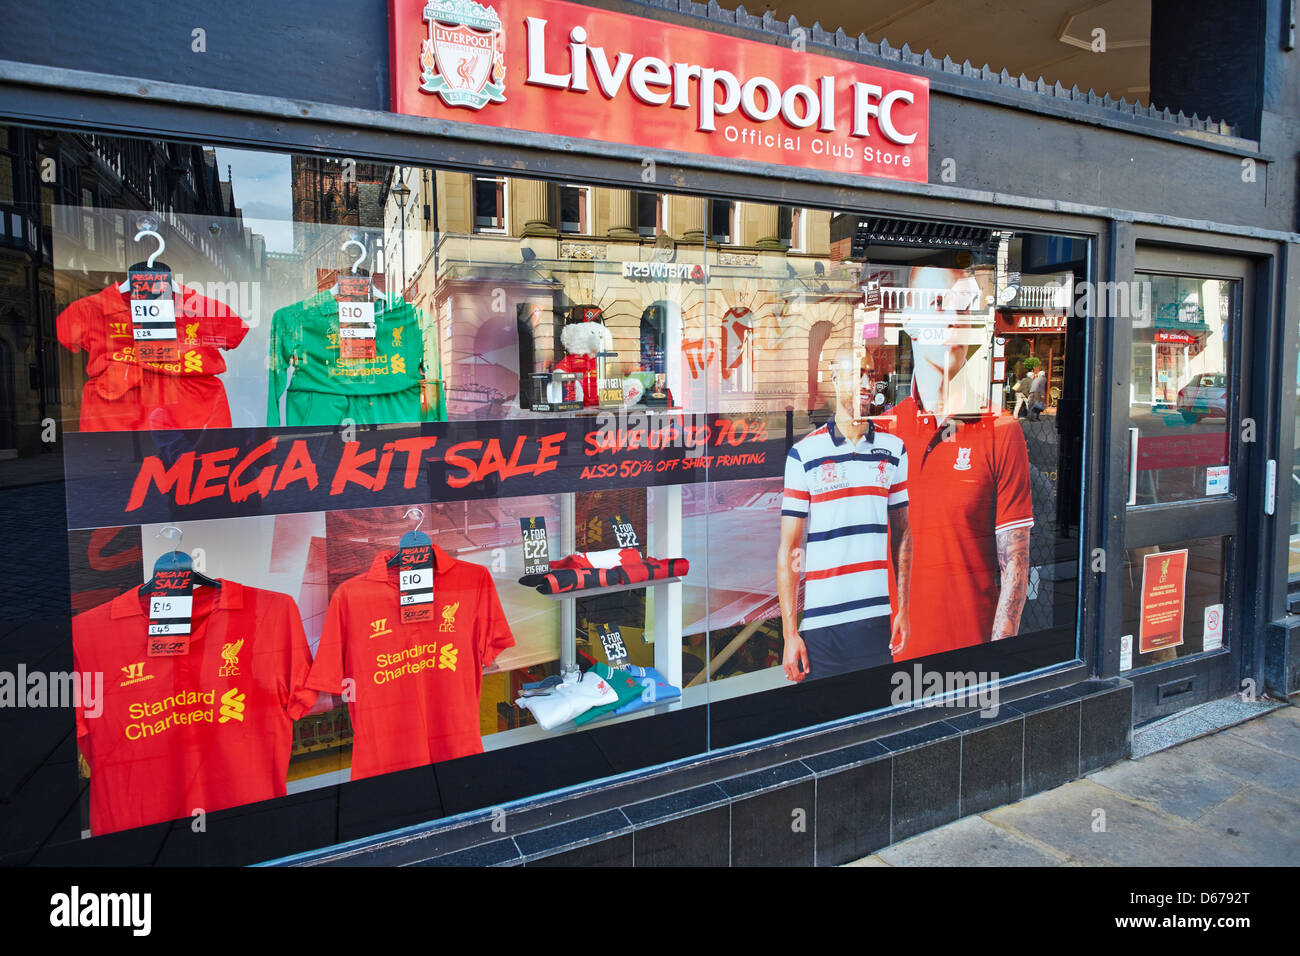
(232,706)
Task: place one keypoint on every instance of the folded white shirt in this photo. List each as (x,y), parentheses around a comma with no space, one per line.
(567,701)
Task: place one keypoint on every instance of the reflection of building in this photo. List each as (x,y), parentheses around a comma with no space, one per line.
(1178,336)
(504,256)
(331,192)
(95,187)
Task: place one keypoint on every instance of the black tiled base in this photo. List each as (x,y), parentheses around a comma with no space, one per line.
(613,852)
(702,839)
(1051,747)
(1106,729)
(853,812)
(774,828)
(926,787)
(992,760)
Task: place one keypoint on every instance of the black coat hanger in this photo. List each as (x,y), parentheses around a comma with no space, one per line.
(177,560)
(414,538)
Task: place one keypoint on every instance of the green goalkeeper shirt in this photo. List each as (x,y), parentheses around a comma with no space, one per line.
(305,336)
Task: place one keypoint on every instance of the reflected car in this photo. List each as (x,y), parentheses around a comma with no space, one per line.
(1205,396)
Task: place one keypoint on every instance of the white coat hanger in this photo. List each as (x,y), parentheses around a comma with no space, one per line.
(375,293)
(162,244)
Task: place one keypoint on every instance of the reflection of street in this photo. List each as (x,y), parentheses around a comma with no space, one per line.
(1173,454)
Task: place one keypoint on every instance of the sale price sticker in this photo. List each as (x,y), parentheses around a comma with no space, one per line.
(537,552)
(356,318)
(415,582)
(622,533)
(611,639)
(171,606)
(153,311)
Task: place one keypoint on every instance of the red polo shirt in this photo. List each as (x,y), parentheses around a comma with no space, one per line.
(414,696)
(136,386)
(208,730)
(961,492)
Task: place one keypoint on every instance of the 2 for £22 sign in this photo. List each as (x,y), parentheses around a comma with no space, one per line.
(548,66)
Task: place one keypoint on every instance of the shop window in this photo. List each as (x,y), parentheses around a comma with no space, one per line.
(651,215)
(489,204)
(575,209)
(722,221)
(790,228)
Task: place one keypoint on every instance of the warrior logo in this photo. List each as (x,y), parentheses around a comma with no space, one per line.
(463,59)
(963,460)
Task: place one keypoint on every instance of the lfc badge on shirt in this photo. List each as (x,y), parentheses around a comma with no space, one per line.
(963,460)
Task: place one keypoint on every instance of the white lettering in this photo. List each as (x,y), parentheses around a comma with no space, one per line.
(639,82)
(537,74)
(710,109)
(749,104)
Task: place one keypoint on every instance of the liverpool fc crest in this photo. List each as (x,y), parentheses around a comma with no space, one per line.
(463,59)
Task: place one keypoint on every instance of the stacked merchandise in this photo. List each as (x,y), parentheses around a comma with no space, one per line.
(601,691)
(596,569)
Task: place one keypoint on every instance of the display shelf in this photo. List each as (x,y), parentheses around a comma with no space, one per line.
(611,589)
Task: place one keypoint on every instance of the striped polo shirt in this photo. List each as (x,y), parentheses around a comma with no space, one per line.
(845,491)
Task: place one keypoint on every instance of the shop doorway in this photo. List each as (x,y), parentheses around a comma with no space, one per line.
(1185,570)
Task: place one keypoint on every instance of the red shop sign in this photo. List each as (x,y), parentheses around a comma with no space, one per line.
(547,66)
(1181,451)
(1175,338)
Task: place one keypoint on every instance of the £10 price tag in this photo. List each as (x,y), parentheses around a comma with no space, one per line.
(611,639)
(415,583)
(171,602)
(537,554)
(356,318)
(153,311)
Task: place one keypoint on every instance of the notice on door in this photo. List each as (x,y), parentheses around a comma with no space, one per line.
(1164,598)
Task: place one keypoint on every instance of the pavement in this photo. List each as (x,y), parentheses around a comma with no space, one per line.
(1228,798)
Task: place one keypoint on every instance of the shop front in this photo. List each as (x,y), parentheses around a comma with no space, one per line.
(609,444)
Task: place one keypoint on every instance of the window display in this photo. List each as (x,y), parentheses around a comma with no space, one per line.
(451,489)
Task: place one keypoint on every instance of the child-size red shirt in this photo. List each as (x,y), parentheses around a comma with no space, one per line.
(414,688)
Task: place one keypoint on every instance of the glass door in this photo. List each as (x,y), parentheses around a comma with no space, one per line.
(1191,445)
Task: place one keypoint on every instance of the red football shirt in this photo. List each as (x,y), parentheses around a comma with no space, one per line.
(962,490)
(414,697)
(171,383)
(208,730)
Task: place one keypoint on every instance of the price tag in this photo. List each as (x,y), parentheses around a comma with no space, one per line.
(153,311)
(356,318)
(622,533)
(611,639)
(415,583)
(171,604)
(537,551)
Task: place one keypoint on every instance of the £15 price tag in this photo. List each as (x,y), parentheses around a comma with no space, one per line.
(622,533)
(153,311)
(537,552)
(171,603)
(611,639)
(415,583)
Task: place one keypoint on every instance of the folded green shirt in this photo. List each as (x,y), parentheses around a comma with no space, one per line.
(625,685)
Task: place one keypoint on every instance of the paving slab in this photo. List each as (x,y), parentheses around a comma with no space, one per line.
(1263,829)
(971,841)
(1171,781)
(1281,735)
(1134,835)
(1258,766)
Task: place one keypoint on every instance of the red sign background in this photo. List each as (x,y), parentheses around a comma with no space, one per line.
(623,118)
(1164,597)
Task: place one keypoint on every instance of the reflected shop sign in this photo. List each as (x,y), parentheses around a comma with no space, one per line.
(547,66)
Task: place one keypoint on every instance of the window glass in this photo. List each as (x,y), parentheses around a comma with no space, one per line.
(1180,396)
(368,467)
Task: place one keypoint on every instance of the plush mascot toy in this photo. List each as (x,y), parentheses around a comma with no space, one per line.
(582,341)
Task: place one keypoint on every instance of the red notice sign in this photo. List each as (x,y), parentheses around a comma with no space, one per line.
(1164,596)
(547,66)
